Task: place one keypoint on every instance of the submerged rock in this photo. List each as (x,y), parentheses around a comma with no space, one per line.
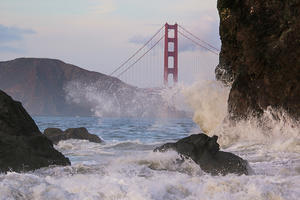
(56,134)
(22,146)
(204,150)
(260,56)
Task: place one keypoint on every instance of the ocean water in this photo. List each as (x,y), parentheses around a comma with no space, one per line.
(125,166)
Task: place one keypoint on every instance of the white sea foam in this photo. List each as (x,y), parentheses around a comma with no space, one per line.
(131,174)
(275,132)
(80,147)
(145,176)
(208,100)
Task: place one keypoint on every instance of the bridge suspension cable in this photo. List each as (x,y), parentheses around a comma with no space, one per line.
(130,66)
(208,44)
(197,43)
(124,63)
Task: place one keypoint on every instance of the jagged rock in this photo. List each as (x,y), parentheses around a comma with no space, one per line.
(260,55)
(204,150)
(22,146)
(56,134)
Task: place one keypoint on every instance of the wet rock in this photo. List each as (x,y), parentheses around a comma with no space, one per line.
(22,146)
(204,150)
(260,56)
(56,134)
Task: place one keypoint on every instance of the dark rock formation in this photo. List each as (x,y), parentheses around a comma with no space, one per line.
(22,146)
(53,88)
(56,135)
(260,55)
(204,150)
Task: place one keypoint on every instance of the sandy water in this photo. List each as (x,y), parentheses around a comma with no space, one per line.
(124,167)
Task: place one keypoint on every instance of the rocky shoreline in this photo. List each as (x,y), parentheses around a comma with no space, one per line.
(22,146)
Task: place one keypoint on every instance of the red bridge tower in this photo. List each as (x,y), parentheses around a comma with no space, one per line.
(173,69)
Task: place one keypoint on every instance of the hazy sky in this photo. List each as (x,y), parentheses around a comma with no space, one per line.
(100,34)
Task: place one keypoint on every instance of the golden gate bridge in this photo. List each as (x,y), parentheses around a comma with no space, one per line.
(157,59)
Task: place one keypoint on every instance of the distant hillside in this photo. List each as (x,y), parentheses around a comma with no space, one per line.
(54,88)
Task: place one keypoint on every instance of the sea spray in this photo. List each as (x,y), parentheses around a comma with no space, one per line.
(275,130)
(174,97)
(101,102)
(208,99)
(121,101)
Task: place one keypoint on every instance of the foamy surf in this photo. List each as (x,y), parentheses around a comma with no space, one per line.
(274,135)
(146,176)
(125,167)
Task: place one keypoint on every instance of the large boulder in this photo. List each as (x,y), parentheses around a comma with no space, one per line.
(260,55)
(204,150)
(22,146)
(56,134)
